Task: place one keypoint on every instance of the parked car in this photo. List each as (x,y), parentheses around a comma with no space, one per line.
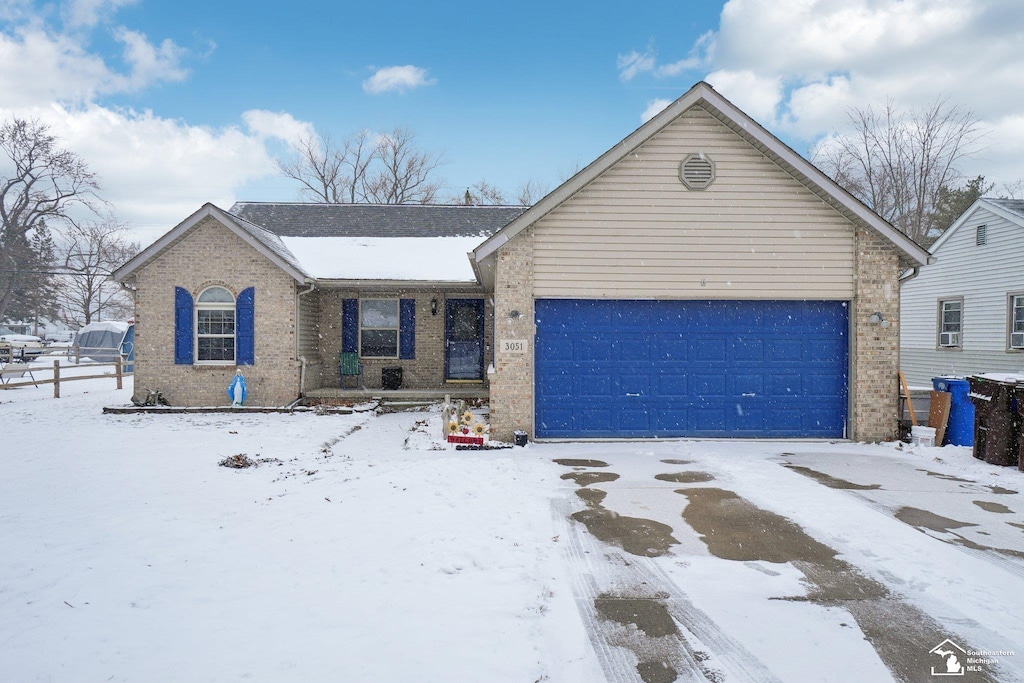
(24,345)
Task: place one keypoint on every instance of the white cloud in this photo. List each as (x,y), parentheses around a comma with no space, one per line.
(798,65)
(156,171)
(654,108)
(153,170)
(634,63)
(38,66)
(149,63)
(397,79)
(280,125)
(88,13)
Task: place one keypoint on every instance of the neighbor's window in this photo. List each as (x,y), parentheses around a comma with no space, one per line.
(950,322)
(215,326)
(378,328)
(1017,321)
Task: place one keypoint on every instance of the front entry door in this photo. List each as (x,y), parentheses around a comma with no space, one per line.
(464,339)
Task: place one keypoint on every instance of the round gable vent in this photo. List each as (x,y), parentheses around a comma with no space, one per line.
(697,171)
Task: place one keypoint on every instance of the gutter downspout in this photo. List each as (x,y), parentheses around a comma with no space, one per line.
(302,359)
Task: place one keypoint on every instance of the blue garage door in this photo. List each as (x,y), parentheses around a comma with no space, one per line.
(691,368)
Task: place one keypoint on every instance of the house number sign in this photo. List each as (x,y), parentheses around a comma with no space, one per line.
(513,346)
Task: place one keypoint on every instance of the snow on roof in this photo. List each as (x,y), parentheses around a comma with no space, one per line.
(438,259)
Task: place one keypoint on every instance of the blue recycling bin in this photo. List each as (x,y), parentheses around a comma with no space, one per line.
(960,427)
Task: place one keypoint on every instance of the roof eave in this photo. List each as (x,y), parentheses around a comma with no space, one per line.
(169,238)
(338,283)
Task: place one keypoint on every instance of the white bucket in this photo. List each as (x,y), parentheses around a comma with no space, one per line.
(922,436)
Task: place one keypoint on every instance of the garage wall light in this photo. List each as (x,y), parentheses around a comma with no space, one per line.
(878,319)
(433,307)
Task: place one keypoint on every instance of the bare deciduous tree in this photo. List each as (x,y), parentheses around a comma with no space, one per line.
(92,251)
(531,192)
(896,163)
(329,173)
(386,169)
(406,173)
(45,184)
(480,194)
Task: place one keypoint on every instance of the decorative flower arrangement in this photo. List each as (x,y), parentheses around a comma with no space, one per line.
(467,417)
(479,429)
(453,427)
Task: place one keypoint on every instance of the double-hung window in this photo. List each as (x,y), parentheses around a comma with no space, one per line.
(378,328)
(951,323)
(215,326)
(1016,320)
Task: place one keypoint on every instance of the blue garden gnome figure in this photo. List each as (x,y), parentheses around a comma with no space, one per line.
(236,390)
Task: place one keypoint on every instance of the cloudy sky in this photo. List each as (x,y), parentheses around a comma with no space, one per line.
(176,104)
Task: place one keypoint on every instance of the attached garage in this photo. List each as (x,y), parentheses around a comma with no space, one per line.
(622,368)
(699,279)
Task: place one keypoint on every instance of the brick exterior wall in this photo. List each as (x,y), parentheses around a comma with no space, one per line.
(427,370)
(211,254)
(875,349)
(512,380)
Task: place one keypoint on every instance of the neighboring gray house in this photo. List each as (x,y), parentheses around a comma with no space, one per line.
(700,278)
(964,314)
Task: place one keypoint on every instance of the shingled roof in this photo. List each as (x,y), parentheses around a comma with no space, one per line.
(376,220)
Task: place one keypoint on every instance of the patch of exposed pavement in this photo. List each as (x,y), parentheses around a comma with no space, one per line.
(635,535)
(685,477)
(830,481)
(576,462)
(670,461)
(588,478)
(947,477)
(988,506)
(736,529)
(923,519)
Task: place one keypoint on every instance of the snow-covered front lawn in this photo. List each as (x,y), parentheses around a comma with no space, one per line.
(362,549)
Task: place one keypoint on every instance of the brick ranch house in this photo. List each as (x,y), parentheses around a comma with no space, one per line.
(700,279)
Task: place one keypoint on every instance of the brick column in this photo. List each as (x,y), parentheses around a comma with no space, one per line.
(875,349)
(512,382)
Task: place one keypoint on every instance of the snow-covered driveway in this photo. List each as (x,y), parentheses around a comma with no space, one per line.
(361,549)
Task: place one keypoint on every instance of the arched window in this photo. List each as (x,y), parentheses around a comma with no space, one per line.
(215,326)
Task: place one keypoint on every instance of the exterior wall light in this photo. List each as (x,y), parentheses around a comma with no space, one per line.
(878,319)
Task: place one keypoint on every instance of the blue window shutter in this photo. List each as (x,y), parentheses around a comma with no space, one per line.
(245,327)
(407,328)
(350,326)
(182,326)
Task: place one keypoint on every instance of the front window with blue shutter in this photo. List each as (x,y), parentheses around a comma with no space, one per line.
(379,328)
(216,328)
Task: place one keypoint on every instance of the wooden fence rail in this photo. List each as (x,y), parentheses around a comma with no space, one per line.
(20,370)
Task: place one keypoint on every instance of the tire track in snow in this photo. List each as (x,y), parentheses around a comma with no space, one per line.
(700,651)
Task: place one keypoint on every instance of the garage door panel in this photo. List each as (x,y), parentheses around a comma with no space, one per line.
(784,350)
(671,384)
(555,349)
(691,368)
(709,350)
(595,386)
(823,350)
(593,351)
(672,349)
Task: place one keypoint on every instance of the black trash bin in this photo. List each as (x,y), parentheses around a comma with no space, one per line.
(995,422)
(1018,399)
(391,378)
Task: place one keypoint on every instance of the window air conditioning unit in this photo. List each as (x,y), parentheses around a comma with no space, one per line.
(1017,340)
(949,339)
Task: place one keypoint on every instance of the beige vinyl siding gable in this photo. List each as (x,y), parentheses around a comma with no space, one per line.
(638,232)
